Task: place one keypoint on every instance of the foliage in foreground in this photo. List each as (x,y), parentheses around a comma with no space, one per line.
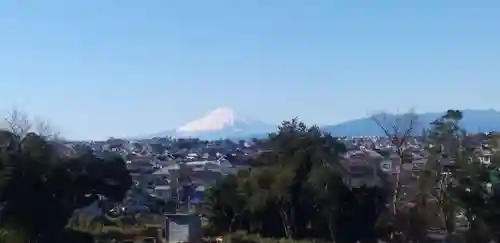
(40,188)
(298,191)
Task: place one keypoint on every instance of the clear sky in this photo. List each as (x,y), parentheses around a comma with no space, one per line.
(99,68)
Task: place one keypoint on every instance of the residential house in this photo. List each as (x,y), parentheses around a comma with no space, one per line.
(363,167)
(183,228)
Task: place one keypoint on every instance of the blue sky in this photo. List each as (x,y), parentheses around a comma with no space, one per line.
(99,68)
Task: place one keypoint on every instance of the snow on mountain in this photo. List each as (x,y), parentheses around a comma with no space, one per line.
(222,123)
(215,120)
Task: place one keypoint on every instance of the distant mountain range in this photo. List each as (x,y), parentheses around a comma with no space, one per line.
(473,121)
(225,123)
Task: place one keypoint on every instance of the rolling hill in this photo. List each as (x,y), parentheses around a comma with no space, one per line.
(473,121)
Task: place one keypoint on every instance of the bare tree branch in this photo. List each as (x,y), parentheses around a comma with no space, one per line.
(45,129)
(18,122)
(397,128)
(21,124)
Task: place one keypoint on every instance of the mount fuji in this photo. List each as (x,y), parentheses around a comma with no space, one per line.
(219,124)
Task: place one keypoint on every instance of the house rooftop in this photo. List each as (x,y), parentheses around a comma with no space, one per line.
(162,187)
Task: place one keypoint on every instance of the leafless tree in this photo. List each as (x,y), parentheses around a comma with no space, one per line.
(18,122)
(398,129)
(21,123)
(45,129)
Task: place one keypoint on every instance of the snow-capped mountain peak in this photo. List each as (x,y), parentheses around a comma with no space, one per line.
(220,123)
(214,120)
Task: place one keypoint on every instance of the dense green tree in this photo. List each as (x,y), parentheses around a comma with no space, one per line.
(297,190)
(225,203)
(463,182)
(448,164)
(325,182)
(40,188)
